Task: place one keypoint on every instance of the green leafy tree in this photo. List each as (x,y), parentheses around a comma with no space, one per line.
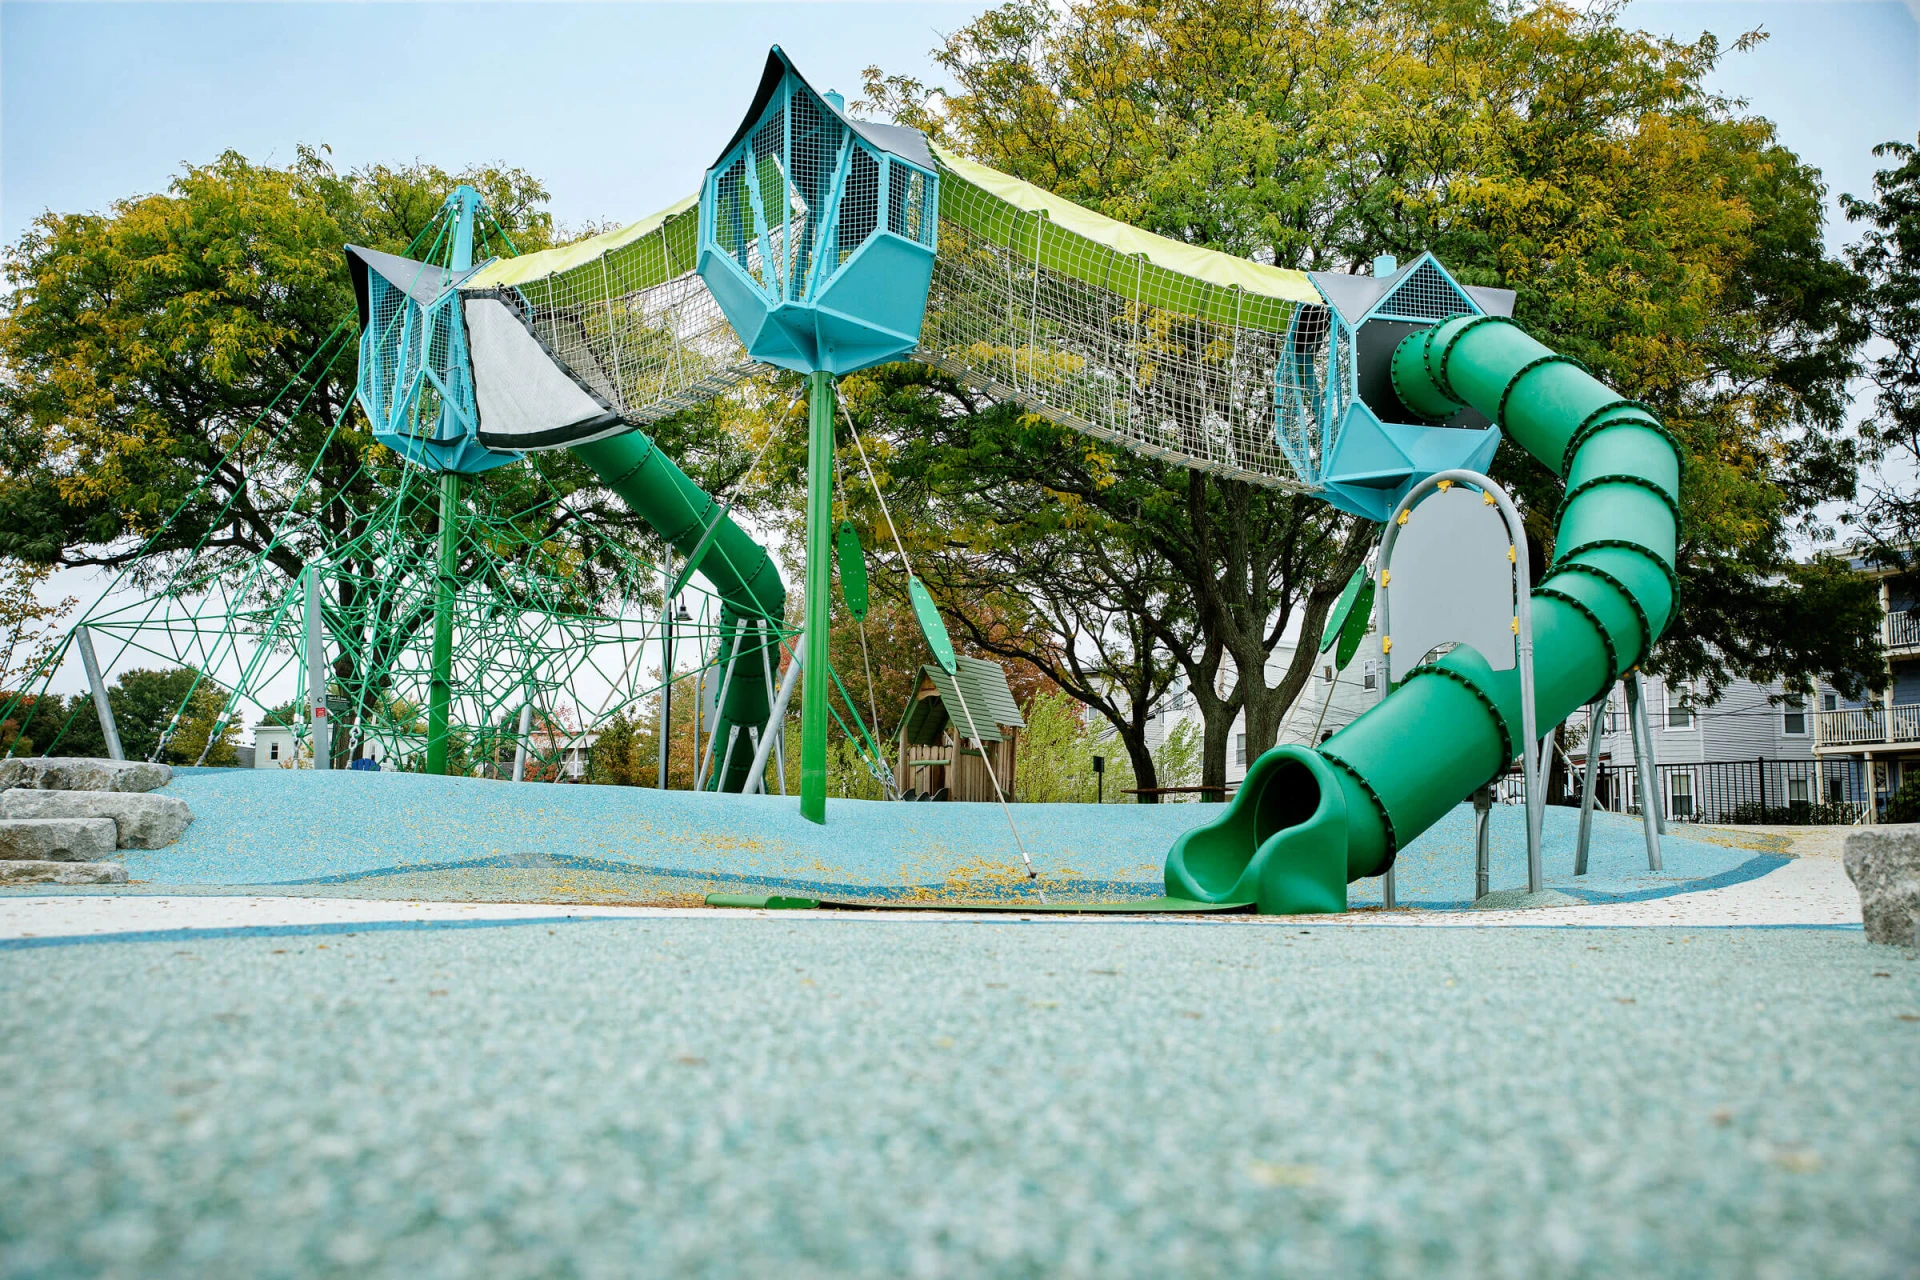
(174,707)
(1056,755)
(1647,225)
(1888,255)
(28,624)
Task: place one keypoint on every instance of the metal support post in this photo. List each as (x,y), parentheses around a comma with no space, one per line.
(1482,842)
(520,747)
(1648,777)
(104,709)
(666,691)
(440,690)
(1595,710)
(1873,790)
(1387,898)
(768,639)
(713,741)
(316,646)
(813,701)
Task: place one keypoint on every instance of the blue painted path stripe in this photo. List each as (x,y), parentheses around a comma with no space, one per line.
(242,932)
(280,931)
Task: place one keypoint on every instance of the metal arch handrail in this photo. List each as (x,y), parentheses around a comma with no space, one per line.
(1523,631)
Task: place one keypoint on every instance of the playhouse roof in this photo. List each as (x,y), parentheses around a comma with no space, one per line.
(1354,296)
(987,695)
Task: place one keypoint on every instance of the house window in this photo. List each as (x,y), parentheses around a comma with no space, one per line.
(1240,747)
(1373,675)
(1797,791)
(1829,702)
(1794,721)
(1679,707)
(273,751)
(1326,673)
(1680,791)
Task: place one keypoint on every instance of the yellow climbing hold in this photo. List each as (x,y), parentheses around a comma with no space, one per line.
(1386,575)
(1404,515)
(1486,499)
(1386,644)
(1516,626)
(1444,485)
(1510,559)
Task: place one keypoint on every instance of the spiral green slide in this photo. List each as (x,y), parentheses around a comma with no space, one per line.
(1306,822)
(741,570)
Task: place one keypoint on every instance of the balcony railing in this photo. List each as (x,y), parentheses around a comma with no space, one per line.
(1867,727)
(1903,631)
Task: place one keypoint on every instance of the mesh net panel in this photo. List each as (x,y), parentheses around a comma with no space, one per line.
(1424,295)
(799,195)
(1166,365)
(638,326)
(404,340)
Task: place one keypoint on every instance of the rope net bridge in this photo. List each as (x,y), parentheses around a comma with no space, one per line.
(1168,350)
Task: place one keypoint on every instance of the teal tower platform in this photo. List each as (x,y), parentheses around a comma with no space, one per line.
(1342,422)
(416,380)
(817,231)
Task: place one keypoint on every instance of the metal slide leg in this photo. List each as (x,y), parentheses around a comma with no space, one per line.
(104,709)
(1482,841)
(1594,711)
(720,700)
(1387,898)
(666,691)
(769,638)
(317,675)
(1648,778)
(520,747)
(776,722)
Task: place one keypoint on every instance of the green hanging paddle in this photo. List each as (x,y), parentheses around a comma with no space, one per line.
(931,627)
(1337,617)
(1354,629)
(853,570)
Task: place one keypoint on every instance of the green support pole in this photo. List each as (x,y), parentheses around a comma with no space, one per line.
(440,695)
(440,691)
(813,704)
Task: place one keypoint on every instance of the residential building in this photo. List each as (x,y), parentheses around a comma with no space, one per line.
(1330,701)
(1878,736)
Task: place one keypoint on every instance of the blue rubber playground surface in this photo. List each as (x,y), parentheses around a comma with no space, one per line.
(407,835)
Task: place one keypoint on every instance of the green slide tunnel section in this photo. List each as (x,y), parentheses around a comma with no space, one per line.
(1306,822)
(740,569)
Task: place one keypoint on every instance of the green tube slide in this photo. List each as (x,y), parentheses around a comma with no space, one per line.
(741,571)
(1306,821)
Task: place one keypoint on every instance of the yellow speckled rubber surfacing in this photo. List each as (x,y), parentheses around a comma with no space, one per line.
(1145,906)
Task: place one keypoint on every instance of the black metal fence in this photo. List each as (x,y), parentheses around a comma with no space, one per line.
(1778,792)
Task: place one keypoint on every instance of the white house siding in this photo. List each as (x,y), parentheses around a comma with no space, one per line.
(1741,725)
(1344,698)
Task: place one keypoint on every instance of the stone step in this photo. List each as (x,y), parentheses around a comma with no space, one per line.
(79,773)
(45,872)
(143,821)
(56,839)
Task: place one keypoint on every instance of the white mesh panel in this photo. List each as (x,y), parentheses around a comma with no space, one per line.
(525,398)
